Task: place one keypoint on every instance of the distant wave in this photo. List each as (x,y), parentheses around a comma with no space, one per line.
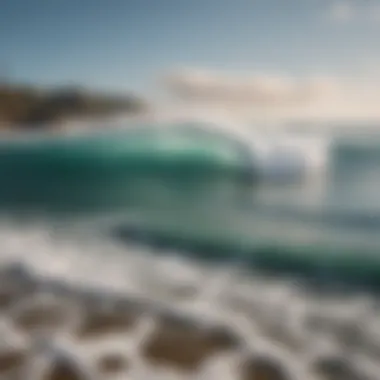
(320,262)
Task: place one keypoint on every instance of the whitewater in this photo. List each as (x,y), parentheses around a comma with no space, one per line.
(239,251)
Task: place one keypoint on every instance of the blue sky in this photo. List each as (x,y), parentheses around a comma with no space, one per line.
(130,44)
(127,43)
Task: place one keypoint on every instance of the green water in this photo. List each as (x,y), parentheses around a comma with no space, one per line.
(188,190)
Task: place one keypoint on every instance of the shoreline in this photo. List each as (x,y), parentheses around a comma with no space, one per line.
(39,310)
(56,330)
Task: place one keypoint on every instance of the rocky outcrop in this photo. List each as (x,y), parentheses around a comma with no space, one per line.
(30,107)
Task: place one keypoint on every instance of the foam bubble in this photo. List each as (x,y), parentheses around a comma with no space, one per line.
(273,319)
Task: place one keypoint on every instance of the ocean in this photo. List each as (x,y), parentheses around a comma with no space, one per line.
(271,231)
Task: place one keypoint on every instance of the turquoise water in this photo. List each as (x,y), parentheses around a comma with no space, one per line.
(211,195)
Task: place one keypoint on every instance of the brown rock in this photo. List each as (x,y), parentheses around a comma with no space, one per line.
(64,370)
(7,298)
(185,346)
(335,368)
(40,316)
(263,368)
(11,360)
(112,363)
(98,323)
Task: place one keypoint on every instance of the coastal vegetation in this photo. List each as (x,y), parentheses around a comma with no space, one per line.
(31,107)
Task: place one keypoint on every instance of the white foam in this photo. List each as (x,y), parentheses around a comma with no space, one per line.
(269,314)
(277,151)
(281,153)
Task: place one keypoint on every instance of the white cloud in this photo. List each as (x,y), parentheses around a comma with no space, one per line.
(374,13)
(275,96)
(342,11)
(213,86)
(345,11)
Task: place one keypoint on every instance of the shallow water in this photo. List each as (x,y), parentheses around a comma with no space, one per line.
(277,239)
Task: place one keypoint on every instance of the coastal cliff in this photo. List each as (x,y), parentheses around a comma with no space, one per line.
(31,107)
